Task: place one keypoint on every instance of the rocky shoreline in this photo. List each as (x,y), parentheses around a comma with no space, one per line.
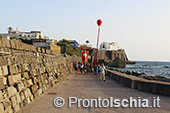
(142,75)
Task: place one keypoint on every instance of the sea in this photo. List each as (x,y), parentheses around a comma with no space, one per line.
(149,68)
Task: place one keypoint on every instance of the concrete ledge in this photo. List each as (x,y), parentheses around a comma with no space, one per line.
(141,84)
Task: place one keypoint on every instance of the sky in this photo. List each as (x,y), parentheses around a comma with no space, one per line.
(141,27)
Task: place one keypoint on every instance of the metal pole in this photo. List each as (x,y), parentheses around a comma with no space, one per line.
(97,42)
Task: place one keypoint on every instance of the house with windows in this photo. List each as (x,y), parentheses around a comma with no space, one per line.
(110,46)
(74,43)
(24,35)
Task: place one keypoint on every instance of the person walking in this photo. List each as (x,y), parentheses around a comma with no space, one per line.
(98,67)
(102,72)
(76,67)
(85,68)
(88,68)
(81,68)
(95,70)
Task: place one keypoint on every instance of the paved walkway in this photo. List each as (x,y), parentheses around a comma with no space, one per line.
(82,87)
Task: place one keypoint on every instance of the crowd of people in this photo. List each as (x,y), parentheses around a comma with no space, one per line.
(88,68)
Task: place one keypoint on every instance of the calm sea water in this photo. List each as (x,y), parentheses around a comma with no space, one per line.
(150,68)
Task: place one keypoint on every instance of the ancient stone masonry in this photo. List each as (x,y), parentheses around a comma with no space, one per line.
(107,56)
(26,72)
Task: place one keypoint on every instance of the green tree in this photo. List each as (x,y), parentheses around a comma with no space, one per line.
(67,48)
(63,41)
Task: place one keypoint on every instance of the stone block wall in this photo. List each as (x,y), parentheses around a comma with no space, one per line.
(109,55)
(26,72)
(141,84)
(76,58)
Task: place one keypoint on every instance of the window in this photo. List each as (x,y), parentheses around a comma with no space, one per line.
(103,46)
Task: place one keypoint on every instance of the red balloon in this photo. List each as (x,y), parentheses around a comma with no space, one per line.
(99,22)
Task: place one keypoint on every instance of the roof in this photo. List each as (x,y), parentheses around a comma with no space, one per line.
(109,43)
(35,31)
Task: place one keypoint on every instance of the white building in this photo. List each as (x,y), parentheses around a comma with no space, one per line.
(110,46)
(29,35)
(42,43)
(25,35)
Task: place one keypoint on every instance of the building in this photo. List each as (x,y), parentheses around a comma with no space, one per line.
(86,47)
(8,36)
(74,43)
(47,44)
(24,35)
(41,43)
(110,46)
(30,35)
(54,47)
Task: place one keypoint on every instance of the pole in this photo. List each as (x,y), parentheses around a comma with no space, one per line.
(97,43)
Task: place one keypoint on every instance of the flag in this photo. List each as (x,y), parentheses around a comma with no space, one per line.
(94,60)
(84,56)
(91,59)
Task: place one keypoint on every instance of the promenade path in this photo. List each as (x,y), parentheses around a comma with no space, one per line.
(89,87)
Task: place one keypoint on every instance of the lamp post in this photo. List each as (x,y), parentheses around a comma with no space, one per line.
(99,22)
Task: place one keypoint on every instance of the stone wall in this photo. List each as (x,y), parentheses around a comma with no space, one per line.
(141,84)
(76,58)
(26,72)
(109,55)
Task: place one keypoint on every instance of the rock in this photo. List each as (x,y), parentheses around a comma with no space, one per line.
(27,101)
(5,70)
(1,107)
(34,88)
(20,86)
(16,108)
(121,71)
(128,73)
(14,79)
(2,82)
(18,98)
(27,93)
(130,62)
(1,73)
(6,103)
(28,83)
(37,94)
(136,73)
(118,63)
(31,98)
(13,101)
(166,66)
(11,91)
(1,96)
(25,75)
(13,69)
(22,96)
(25,67)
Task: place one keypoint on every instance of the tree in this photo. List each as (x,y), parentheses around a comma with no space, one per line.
(67,48)
(63,41)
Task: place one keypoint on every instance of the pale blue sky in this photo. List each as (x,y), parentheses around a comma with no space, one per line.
(142,27)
